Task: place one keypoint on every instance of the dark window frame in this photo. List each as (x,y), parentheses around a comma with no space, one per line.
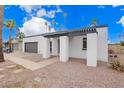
(84,47)
(50,46)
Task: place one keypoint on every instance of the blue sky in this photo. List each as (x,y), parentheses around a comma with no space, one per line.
(78,16)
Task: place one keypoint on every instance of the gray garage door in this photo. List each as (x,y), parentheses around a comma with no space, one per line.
(31,47)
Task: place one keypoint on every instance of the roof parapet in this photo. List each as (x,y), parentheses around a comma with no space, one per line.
(83,31)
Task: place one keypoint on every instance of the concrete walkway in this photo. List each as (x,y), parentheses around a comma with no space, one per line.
(30,64)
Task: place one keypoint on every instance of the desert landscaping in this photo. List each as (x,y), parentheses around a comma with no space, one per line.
(51,46)
(74,73)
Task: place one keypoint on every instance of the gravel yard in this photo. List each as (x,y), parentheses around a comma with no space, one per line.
(74,73)
(9,77)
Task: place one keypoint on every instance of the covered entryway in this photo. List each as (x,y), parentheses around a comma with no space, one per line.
(65,43)
(31,47)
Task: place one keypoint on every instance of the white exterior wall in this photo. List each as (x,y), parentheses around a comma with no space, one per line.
(34,39)
(46,47)
(92,49)
(54,46)
(64,48)
(74,49)
(76,46)
(102,44)
(20,46)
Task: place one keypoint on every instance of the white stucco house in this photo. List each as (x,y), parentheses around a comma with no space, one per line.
(16,45)
(89,43)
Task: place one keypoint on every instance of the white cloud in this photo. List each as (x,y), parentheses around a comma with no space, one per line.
(35,26)
(122,9)
(101,6)
(7,7)
(30,8)
(51,14)
(52,30)
(27,8)
(115,5)
(57,23)
(109,42)
(48,5)
(121,21)
(41,13)
(25,19)
(59,10)
(37,7)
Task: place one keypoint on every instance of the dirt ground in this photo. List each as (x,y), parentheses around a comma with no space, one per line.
(73,74)
(117,48)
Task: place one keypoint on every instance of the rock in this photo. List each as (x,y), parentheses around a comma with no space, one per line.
(1,76)
(38,79)
(18,71)
(1,69)
(11,66)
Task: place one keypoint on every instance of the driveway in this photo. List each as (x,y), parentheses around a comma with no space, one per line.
(28,56)
(26,60)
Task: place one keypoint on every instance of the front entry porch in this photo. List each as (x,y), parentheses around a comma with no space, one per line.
(60,46)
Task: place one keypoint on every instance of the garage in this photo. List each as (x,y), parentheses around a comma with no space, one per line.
(31,47)
(15,46)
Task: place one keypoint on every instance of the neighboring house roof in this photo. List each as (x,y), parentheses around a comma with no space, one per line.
(77,32)
(14,41)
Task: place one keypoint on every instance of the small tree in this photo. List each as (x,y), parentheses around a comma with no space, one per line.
(10,24)
(61,26)
(20,36)
(94,21)
(65,16)
(122,43)
(53,22)
(65,19)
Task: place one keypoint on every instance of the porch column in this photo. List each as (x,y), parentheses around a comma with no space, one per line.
(92,49)
(54,46)
(64,48)
(46,47)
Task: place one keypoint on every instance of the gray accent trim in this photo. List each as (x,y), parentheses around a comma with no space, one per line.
(101,26)
(71,33)
(82,32)
(56,34)
(77,32)
(33,35)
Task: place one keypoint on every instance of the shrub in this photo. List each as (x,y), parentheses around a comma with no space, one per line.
(110,51)
(122,43)
(117,65)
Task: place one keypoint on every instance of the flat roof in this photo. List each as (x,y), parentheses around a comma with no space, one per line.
(77,32)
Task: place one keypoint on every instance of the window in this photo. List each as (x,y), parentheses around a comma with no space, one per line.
(84,44)
(50,47)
